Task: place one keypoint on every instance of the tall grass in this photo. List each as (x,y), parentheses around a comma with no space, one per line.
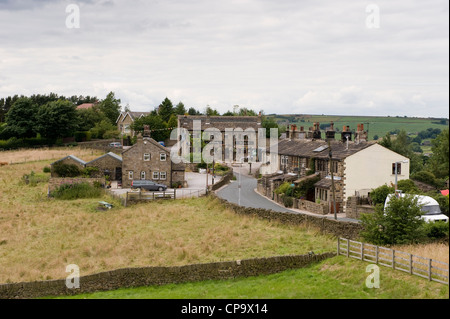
(41,154)
(76,191)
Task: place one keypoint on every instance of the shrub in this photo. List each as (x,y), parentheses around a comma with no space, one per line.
(379,194)
(288,201)
(81,136)
(425,177)
(399,223)
(90,171)
(76,191)
(47,169)
(283,188)
(66,170)
(407,186)
(436,230)
(303,188)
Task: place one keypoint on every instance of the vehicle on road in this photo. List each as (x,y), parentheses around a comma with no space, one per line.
(115,144)
(430,207)
(147,185)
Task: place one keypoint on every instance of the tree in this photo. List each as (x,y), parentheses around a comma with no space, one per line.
(180,109)
(247,112)
(193,111)
(439,161)
(158,127)
(386,141)
(21,119)
(90,117)
(268,123)
(165,110)
(104,129)
(173,122)
(57,119)
(110,106)
(398,223)
(211,112)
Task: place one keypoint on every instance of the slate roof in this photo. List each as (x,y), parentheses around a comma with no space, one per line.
(114,155)
(220,122)
(72,157)
(306,147)
(323,183)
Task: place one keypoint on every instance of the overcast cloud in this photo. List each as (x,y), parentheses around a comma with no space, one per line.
(288,56)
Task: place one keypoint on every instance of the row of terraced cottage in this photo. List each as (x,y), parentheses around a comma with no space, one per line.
(358,166)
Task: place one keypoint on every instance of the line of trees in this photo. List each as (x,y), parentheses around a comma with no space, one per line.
(52,117)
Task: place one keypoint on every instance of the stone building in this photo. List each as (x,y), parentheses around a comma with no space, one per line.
(149,160)
(222,124)
(357,165)
(68,160)
(109,164)
(126,119)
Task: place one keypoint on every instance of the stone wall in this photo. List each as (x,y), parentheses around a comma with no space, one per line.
(326,225)
(354,210)
(55,182)
(225,180)
(136,277)
(303,204)
(102,145)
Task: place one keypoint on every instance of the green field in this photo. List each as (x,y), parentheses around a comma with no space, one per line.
(335,278)
(373,124)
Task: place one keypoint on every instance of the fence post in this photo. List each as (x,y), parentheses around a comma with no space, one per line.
(362,251)
(338,252)
(410,264)
(348,247)
(429,269)
(376,254)
(393,259)
(175,193)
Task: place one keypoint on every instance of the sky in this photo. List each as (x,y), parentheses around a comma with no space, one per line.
(348,57)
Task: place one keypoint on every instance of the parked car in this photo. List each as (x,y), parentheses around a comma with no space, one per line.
(162,143)
(148,185)
(431,210)
(115,144)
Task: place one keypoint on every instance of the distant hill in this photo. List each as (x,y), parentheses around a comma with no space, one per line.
(375,125)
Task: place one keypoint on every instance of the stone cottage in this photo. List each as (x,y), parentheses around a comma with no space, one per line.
(109,164)
(149,160)
(357,165)
(126,119)
(68,160)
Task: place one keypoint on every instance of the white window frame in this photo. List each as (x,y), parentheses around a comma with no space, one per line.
(143,174)
(161,174)
(155,174)
(130,175)
(149,157)
(161,155)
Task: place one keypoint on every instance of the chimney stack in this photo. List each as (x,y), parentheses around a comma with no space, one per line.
(346,133)
(316,133)
(360,134)
(330,133)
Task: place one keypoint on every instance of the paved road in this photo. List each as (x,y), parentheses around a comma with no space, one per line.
(248,197)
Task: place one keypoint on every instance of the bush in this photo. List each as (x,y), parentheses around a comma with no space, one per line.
(399,223)
(436,230)
(47,169)
(90,171)
(76,191)
(379,194)
(407,186)
(66,170)
(283,188)
(303,188)
(15,143)
(288,201)
(425,177)
(82,136)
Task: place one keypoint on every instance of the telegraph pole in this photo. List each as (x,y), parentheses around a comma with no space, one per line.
(330,155)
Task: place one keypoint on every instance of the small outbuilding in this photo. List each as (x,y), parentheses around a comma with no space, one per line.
(109,164)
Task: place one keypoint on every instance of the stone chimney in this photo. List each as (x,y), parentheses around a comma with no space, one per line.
(346,132)
(316,132)
(301,133)
(146,131)
(330,132)
(360,134)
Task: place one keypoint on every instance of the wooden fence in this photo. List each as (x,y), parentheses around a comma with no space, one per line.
(430,269)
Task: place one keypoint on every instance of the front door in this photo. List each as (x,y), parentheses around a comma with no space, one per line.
(118,176)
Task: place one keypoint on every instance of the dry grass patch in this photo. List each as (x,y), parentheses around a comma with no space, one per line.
(39,236)
(41,154)
(435,251)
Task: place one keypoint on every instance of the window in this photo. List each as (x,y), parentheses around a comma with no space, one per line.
(322,165)
(162,175)
(284,160)
(142,175)
(146,157)
(130,175)
(155,175)
(162,157)
(399,168)
(334,166)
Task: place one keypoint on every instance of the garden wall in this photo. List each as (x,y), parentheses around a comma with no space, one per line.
(136,277)
(326,225)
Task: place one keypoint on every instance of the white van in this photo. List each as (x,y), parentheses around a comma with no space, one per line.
(430,208)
